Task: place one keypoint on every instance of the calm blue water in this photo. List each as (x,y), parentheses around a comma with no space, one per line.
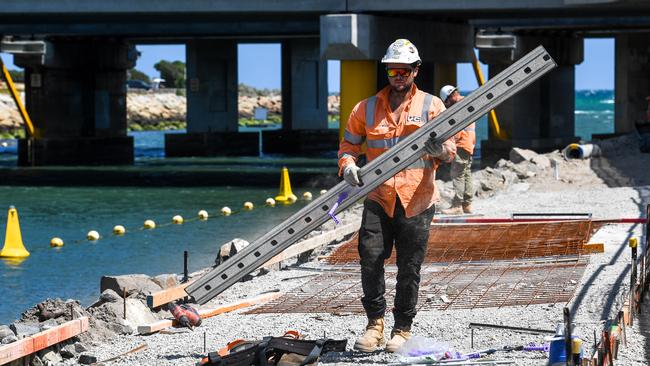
(74,271)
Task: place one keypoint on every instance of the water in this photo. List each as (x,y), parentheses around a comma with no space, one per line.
(594,114)
(74,270)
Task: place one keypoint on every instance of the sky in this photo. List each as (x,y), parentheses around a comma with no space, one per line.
(595,72)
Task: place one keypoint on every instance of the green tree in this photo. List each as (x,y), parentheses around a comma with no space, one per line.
(135,74)
(172,72)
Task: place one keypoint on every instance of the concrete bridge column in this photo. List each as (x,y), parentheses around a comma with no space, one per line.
(76,98)
(212,114)
(632,80)
(541,117)
(364,38)
(304,101)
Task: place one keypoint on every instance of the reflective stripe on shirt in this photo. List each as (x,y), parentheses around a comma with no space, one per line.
(352,138)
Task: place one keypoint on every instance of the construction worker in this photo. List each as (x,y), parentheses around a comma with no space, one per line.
(461,166)
(399,212)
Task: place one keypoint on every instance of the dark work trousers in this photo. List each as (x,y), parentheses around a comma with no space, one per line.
(377,236)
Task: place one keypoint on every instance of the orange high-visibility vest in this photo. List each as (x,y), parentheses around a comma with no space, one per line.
(371,121)
(466,138)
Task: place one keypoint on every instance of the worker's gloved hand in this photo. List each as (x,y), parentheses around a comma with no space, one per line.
(433,148)
(351,174)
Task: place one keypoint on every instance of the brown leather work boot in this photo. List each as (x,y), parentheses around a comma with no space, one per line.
(455,209)
(467,207)
(397,338)
(373,338)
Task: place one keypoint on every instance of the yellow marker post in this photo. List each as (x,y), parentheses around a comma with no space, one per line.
(492,115)
(358,82)
(16,97)
(285,195)
(13,247)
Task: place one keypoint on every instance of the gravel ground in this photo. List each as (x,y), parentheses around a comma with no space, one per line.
(596,186)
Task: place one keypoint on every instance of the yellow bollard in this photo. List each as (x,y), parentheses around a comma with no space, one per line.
(13,247)
(285,195)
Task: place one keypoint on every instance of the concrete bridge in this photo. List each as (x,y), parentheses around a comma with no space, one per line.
(76,54)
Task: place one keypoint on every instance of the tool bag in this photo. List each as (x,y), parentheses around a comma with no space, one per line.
(273,351)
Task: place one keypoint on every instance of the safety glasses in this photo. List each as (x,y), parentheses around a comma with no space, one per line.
(393,72)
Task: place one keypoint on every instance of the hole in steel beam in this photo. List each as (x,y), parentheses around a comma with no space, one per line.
(257,254)
(490,95)
(470,109)
(378,171)
(325,208)
(307,219)
(546,57)
(527,70)
(396,159)
(452,122)
(224,276)
(414,147)
(291,231)
(208,287)
(509,82)
(274,242)
(240,265)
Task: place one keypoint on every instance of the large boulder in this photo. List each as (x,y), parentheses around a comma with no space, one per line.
(518,155)
(5,331)
(132,283)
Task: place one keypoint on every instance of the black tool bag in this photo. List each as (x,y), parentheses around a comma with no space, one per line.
(273,351)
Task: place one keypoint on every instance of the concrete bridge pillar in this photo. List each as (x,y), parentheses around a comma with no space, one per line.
(76,97)
(541,117)
(304,101)
(212,114)
(632,80)
(364,38)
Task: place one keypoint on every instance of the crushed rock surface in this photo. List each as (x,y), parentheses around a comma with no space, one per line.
(616,185)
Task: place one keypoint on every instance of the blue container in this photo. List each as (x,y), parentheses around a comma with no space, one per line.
(557,351)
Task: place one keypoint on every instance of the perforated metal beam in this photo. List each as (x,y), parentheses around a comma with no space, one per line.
(510,81)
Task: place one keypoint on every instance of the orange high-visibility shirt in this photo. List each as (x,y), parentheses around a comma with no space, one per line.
(414,185)
(466,139)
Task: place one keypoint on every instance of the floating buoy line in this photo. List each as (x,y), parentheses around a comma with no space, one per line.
(285,197)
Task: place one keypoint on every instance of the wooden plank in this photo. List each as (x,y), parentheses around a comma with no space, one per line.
(178,292)
(165,296)
(207,313)
(42,340)
(593,248)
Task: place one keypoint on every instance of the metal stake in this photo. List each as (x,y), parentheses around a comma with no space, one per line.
(567,337)
(185,273)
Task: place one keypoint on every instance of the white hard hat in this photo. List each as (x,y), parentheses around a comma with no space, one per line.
(446,91)
(401,51)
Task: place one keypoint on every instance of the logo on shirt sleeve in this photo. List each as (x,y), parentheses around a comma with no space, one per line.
(414,119)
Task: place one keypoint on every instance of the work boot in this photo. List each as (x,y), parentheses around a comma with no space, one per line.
(373,338)
(455,209)
(467,207)
(397,338)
